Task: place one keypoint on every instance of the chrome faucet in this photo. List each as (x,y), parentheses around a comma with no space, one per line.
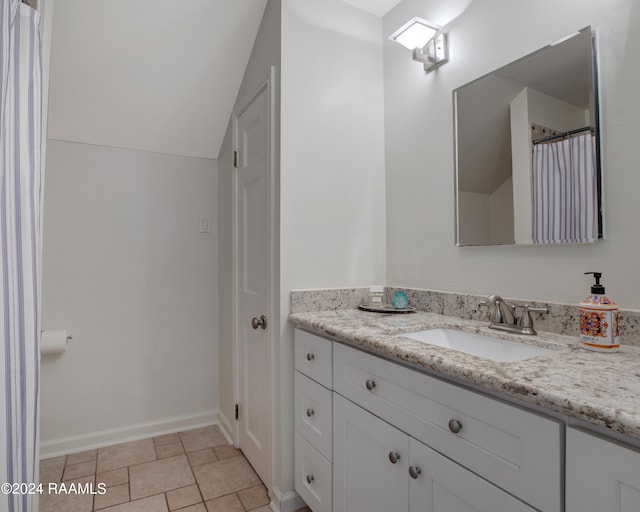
(503,318)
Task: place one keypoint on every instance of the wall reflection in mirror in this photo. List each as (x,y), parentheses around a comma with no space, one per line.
(528,152)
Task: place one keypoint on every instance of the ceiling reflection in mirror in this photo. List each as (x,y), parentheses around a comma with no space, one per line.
(527,150)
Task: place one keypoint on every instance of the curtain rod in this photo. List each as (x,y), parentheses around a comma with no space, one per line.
(562,135)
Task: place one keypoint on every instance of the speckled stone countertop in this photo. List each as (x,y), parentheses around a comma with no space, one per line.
(597,388)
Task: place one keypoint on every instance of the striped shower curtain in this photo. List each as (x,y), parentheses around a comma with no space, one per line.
(20,139)
(565,191)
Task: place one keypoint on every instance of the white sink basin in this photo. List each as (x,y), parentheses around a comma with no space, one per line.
(477,344)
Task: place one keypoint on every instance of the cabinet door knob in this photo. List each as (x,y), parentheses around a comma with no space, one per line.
(455,426)
(310,412)
(310,356)
(310,479)
(371,384)
(414,472)
(394,457)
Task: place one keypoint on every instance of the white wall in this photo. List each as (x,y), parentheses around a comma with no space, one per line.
(127,272)
(419,150)
(521,168)
(475,209)
(332,164)
(502,213)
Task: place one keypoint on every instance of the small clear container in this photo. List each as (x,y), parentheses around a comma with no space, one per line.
(376,295)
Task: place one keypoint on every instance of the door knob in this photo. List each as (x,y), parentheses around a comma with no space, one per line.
(255,323)
(414,472)
(394,457)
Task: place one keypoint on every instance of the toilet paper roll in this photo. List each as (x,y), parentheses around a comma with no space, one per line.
(54,342)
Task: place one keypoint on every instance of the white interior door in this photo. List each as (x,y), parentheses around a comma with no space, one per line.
(252,207)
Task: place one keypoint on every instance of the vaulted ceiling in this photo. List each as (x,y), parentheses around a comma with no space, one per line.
(153,75)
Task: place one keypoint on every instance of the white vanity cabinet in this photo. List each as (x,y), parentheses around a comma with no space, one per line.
(405,441)
(602,475)
(516,450)
(313,420)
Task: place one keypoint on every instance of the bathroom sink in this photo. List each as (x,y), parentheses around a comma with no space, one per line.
(477,344)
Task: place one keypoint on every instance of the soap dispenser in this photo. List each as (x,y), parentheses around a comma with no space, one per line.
(599,320)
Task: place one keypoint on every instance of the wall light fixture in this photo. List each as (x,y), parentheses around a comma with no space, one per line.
(425,39)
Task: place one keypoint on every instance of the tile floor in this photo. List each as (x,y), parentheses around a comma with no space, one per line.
(192,471)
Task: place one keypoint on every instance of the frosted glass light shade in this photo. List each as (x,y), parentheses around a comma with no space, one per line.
(416,33)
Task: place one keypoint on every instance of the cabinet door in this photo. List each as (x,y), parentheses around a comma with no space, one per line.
(601,475)
(365,478)
(438,484)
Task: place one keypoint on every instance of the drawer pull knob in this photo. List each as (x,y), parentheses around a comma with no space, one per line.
(310,412)
(310,356)
(371,384)
(310,479)
(414,472)
(455,426)
(394,457)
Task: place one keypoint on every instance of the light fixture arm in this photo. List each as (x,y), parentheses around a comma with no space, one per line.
(434,53)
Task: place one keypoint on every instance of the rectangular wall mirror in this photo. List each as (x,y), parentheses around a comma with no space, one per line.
(528,167)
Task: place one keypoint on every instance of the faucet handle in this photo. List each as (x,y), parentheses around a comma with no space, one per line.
(526,322)
(496,315)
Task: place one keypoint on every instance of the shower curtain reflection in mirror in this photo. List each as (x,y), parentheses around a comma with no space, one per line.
(565,191)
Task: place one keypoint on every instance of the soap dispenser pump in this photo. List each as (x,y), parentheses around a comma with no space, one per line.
(599,320)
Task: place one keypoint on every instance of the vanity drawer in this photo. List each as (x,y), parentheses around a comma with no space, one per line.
(313,477)
(313,413)
(313,357)
(518,450)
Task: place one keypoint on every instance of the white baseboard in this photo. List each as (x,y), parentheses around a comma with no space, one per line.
(92,440)
(287,502)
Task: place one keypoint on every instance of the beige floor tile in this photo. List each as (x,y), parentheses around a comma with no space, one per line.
(265,508)
(194,508)
(202,457)
(199,439)
(226,450)
(228,503)
(155,503)
(159,476)
(180,498)
(77,458)
(169,450)
(225,476)
(71,502)
(114,496)
(305,509)
(127,454)
(254,497)
(166,439)
(73,471)
(51,469)
(113,477)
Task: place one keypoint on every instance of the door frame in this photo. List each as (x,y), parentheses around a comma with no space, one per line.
(273,311)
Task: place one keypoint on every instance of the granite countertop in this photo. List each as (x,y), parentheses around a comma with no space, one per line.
(597,388)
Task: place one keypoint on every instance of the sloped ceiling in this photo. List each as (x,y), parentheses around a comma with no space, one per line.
(377,7)
(152,75)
